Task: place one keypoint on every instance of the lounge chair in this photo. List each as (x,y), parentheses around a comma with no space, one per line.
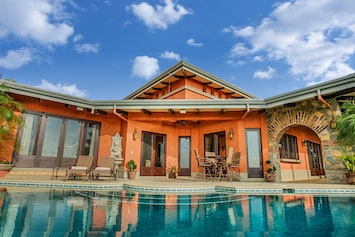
(105,169)
(82,168)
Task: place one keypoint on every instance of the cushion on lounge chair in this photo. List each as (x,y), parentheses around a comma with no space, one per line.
(79,167)
(102,168)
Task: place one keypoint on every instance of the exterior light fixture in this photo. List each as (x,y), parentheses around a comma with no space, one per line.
(231,134)
(135,134)
(182,111)
(304,143)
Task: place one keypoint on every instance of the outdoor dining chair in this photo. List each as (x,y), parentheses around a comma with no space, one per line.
(203,166)
(233,167)
(82,168)
(105,169)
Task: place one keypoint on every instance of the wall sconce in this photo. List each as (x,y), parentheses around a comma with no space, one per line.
(304,143)
(135,134)
(231,134)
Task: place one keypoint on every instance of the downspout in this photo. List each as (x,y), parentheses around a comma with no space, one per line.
(118,115)
(246,112)
(320,98)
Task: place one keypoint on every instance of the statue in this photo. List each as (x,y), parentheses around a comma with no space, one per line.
(116,151)
(116,147)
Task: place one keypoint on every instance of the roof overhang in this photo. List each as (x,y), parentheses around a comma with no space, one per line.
(330,89)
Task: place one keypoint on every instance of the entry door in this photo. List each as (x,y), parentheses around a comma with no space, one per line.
(153,154)
(254,153)
(184,156)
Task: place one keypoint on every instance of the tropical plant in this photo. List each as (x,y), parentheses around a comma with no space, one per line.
(10,117)
(346,124)
(348,158)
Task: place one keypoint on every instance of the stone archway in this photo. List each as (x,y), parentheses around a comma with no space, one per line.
(315,115)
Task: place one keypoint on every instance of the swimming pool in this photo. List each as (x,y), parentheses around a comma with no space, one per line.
(65,212)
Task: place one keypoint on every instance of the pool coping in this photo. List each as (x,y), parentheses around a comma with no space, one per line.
(197,187)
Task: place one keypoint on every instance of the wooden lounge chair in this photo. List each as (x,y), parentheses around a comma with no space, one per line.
(105,169)
(82,168)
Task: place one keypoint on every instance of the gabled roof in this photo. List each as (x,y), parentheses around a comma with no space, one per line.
(184,70)
(340,88)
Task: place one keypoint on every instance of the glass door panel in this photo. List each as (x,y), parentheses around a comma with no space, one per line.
(254,153)
(51,142)
(28,144)
(71,143)
(146,165)
(89,139)
(184,156)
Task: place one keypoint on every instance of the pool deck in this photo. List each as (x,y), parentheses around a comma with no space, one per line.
(180,184)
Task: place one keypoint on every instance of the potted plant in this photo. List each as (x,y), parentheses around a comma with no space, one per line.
(349,162)
(173,172)
(270,172)
(131,166)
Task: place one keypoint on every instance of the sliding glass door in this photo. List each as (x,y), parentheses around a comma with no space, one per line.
(49,141)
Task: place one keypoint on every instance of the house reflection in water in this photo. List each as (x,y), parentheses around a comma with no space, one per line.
(121,213)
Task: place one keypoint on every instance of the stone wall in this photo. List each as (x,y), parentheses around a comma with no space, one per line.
(317,116)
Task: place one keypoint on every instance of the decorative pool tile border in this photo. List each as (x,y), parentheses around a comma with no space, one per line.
(128,187)
(60,185)
(169,189)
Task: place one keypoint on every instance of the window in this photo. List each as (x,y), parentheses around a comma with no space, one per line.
(288,147)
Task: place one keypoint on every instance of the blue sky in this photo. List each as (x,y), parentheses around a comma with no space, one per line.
(106,49)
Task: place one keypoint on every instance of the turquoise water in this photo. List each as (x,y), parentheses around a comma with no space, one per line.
(43,212)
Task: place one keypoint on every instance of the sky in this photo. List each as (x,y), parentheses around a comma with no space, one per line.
(107,49)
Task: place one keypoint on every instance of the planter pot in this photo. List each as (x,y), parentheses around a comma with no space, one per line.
(131,174)
(172,175)
(350,178)
(270,177)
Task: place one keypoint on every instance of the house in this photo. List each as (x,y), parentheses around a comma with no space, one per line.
(185,108)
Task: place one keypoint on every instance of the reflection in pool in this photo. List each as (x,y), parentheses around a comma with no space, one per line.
(123,213)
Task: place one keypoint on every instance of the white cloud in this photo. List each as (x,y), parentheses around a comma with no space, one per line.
(315,38)
(144,66)
(16,58)
(192,42)
(42,21)
(78,38)
(65,89)
(170,55)
(268,74)
(87,48)
(159,17)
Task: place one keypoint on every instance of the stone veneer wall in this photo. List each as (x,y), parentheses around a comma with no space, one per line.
(317,116)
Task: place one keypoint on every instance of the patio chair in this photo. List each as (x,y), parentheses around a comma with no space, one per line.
(203,166)
(234,166)
(80,169)
(105,169)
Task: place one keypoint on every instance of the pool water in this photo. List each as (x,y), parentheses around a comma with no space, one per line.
(122,213)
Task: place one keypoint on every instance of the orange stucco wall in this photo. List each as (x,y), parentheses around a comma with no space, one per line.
(110,124)
(164,123)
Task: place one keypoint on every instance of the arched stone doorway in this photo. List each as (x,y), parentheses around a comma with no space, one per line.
(313,115)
